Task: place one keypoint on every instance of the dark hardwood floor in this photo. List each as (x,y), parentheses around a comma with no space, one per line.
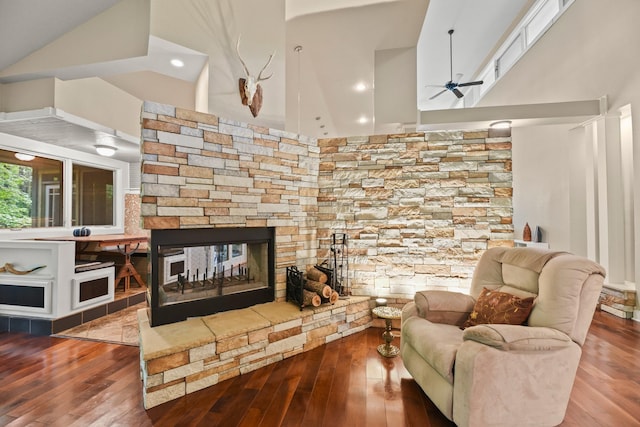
(56,381)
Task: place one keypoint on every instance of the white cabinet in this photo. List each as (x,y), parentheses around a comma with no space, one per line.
(53,291)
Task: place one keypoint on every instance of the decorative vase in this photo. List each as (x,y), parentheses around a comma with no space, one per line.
(526,233)
(538,234)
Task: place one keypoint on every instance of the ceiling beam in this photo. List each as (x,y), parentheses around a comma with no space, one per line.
(574,111)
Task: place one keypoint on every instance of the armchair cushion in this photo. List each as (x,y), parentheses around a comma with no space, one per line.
(517,338)
(451,308)
(499,307)
(436,343)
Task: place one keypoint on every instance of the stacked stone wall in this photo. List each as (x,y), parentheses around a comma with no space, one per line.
(199,170)
(419,208)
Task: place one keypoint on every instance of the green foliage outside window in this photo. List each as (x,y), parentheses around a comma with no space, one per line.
(32,193)
(15,199)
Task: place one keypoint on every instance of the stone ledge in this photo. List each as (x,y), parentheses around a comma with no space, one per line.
(184,357)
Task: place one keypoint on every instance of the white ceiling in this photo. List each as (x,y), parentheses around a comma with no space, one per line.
(339,40)
(28,25)
(478,27)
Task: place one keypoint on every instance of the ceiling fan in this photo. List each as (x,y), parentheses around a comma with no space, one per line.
(452,84)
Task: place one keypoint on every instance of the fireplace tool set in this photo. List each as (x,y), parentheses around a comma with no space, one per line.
(324,282)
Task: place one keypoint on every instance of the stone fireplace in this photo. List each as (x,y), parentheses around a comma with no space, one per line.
(201,271)
(419,208)
(203,176)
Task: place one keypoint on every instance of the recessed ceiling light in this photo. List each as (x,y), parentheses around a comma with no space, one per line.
(106,150)
(360,87)
(362,120)
(178,63)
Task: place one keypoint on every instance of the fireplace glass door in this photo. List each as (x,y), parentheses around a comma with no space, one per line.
(195,272)
(198,272)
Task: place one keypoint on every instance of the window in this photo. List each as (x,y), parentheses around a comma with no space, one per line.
(510,55)
(92,196)
(488,76)
(541,16)
(541,20)
(237,250)
(32,192)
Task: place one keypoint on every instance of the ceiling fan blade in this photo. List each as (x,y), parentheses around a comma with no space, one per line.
(457,93)
(478,82)
(438,94)
(458,77)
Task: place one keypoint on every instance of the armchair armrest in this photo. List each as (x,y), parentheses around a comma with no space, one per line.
(451,308)
(517,337)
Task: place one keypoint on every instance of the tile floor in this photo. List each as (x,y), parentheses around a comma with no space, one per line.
(120,327)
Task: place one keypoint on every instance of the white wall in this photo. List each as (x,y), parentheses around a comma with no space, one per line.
(395,78)
(213,27)
(541,182)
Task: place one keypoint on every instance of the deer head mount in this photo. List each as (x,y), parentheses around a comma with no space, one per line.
(250,89)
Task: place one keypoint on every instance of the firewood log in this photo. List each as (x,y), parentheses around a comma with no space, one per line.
(319,288)
(317,275)
(334,297)
(310,298)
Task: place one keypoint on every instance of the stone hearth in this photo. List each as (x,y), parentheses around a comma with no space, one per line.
(184,357)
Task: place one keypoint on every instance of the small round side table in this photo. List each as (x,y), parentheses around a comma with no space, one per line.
(388,314)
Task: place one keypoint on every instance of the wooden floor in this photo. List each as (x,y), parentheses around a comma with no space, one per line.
(55,381)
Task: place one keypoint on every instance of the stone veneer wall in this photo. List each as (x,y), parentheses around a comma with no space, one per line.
(419,208)
(199,170)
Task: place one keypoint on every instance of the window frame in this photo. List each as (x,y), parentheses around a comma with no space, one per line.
(69,157)
(518,35)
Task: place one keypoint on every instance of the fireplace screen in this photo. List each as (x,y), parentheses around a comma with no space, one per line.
(198,272)
(203,271)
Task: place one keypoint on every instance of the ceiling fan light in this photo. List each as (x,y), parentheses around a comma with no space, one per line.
(502,124)
(25,157)
(106,150)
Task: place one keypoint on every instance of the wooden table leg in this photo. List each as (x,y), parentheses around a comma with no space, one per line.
(128,270)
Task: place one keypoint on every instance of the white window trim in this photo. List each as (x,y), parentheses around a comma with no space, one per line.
(519,30)
(70,157)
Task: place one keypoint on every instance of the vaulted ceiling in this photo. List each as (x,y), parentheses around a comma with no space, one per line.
(393,48)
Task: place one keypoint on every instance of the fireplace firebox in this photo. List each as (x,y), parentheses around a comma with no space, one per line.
(197,272)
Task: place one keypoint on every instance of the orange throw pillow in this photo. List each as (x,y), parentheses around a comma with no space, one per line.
(499,307)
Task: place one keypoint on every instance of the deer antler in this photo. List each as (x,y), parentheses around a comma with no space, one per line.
(260,78)
(250,90)
(246,70)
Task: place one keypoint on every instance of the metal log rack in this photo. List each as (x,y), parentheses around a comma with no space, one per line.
(295,287)
(336,267)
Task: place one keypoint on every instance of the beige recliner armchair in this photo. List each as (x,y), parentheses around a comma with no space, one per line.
(504,374)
